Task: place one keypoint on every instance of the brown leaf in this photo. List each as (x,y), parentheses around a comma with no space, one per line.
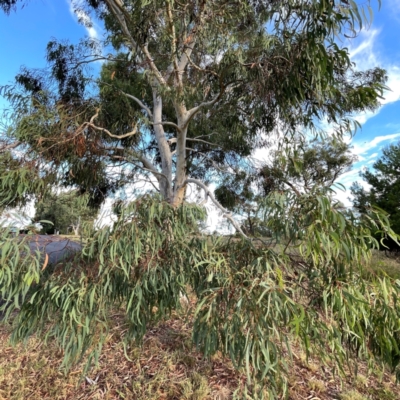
(46,261)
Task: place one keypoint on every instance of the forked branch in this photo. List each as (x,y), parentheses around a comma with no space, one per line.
(106,131)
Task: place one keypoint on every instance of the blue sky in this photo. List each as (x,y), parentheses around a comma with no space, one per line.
(25,34)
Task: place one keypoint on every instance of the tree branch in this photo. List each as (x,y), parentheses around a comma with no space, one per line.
(153,66)
(98,128)
(147,109)
(195,66)
(201,141)
(10,146)
(147,166)
(193,111)
(173,45)
(189,42)
(139,102)
(298,194)
(212,161)
(117,8)
(167,123)
(226,213)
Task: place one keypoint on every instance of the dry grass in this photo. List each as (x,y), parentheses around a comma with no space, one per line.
(166,367)
(384,263)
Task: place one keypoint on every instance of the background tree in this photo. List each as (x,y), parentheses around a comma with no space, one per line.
(304,165)
(301,165)
(384,188)
(67,211)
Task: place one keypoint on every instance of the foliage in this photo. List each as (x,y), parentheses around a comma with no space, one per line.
(298,165)
(19,182)
(250,296)
(66,211)
(384,182)
(305,166)
(168,367)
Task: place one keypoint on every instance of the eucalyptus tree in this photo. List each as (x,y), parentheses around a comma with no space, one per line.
(191,91)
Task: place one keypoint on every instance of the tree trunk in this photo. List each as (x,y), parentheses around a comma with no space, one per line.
(165,180)
(76,227)
(180,187)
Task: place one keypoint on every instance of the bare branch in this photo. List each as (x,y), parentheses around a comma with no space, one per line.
(224,89)
(167,123)
(102,58)
(98,128)
(147,109)
(188,44)
(174,42)
(117,8)
(139,102)
(147,165)
(140,157)
(10,146)
(226,213)
(298,194)
(153,66)
(201,141)
(195,66)
(132,133)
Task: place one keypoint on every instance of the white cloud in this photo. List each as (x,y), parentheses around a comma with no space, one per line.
(363,147)
(363,117)
(347,180)
(366,55)
(393,83)
(349,177)
(83,18)
(18,217)
(343,197)
(364,49)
